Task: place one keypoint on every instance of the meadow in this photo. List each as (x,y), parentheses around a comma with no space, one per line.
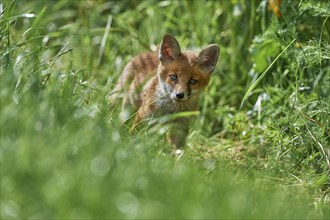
(259,147)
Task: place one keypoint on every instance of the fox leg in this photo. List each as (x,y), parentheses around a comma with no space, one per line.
(140,115)
(177,133)
(145,111)
(136,122)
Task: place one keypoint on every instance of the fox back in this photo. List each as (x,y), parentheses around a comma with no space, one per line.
(166,82)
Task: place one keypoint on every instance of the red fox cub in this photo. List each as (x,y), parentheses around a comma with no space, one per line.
(167,82)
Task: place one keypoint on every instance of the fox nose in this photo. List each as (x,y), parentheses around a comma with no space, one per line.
(180,95)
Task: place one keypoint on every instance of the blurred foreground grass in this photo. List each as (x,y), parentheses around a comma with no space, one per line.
(64,154)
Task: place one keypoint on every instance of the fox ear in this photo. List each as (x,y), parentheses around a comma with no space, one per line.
(208,58)
(169,49)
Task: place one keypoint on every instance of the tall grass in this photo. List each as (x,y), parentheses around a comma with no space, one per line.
(258,149)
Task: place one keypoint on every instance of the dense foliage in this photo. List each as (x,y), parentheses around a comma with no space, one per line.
(259,147)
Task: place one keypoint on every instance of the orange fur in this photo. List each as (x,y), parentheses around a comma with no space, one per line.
(274,5)
(167,82)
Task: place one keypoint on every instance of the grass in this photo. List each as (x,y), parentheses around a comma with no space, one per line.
(259,147)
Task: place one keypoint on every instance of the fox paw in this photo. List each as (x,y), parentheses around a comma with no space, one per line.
(178,153)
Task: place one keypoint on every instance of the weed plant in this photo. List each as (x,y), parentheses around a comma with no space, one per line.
(259,147)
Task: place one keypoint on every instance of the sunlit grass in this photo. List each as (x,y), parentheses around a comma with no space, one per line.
(65,154)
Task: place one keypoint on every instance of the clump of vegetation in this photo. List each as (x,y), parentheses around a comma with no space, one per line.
(259,148)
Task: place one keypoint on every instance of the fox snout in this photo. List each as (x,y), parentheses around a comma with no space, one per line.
(179,96)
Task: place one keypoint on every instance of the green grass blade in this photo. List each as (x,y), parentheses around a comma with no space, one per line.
(264,73)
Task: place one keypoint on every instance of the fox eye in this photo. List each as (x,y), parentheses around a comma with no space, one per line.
(193,81)
(173,77)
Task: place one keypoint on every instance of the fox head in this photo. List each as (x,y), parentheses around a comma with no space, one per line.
(184,75)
